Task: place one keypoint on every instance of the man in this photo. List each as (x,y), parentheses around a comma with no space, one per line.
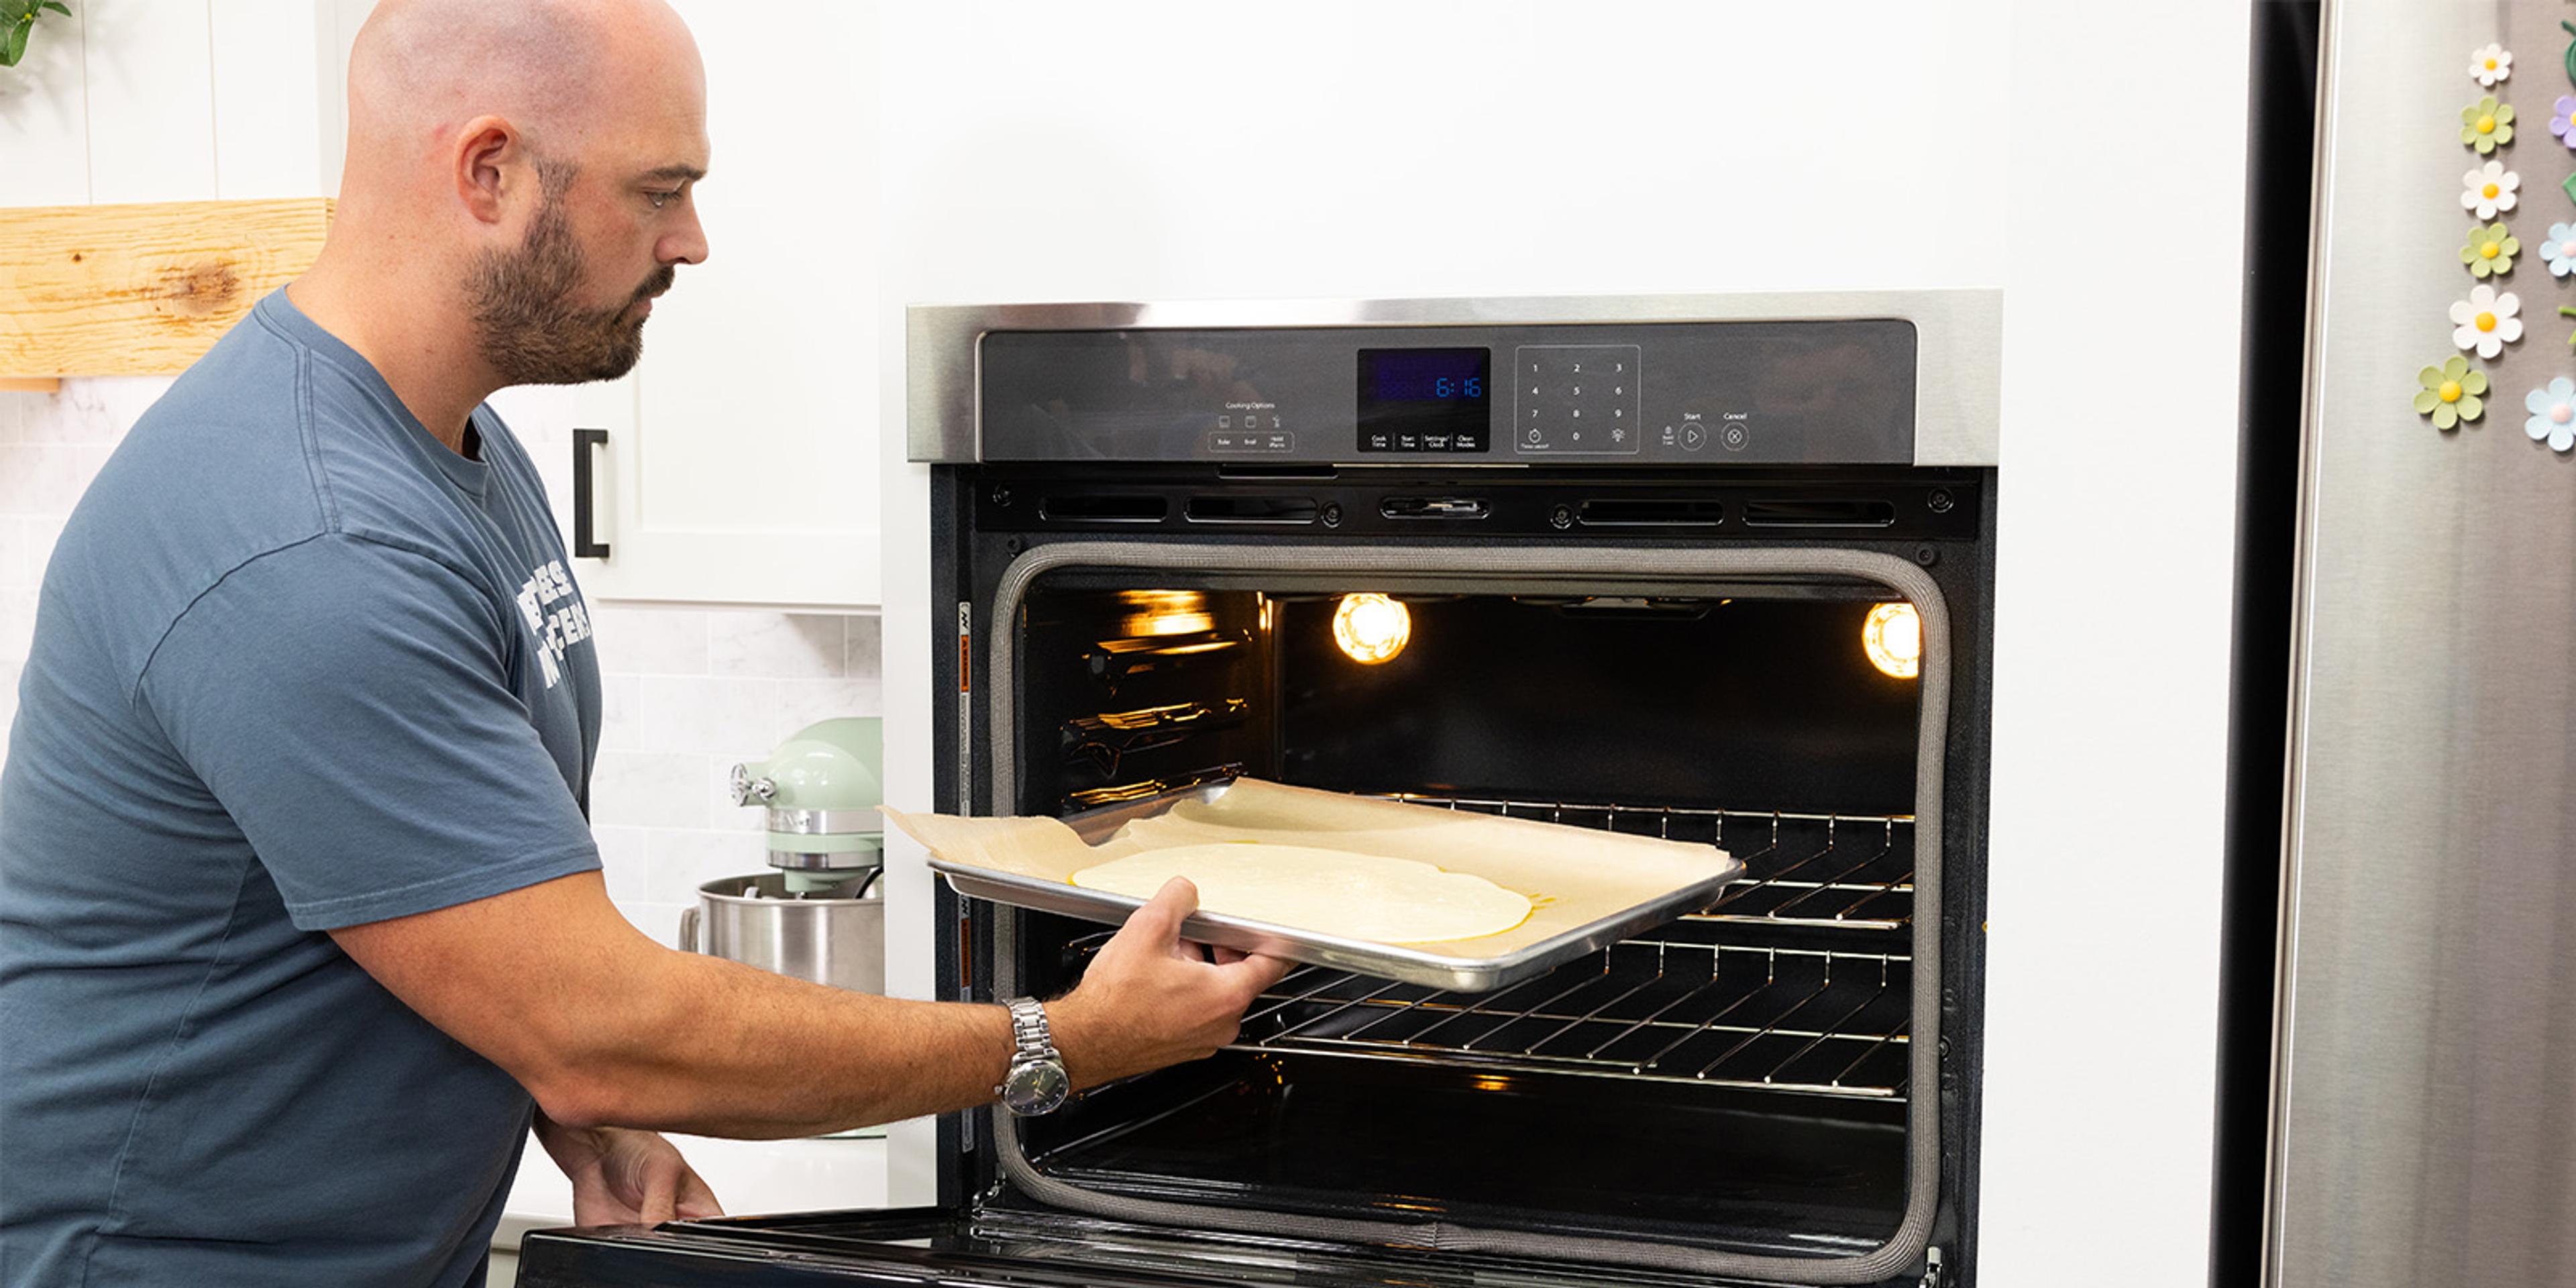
(298,907)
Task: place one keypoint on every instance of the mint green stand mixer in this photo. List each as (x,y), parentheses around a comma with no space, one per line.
(822,789)
(818,916)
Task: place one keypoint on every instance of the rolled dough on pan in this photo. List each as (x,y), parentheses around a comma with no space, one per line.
(1336,892)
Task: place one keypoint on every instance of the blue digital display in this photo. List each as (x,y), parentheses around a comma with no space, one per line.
(1424,375)
(1424,400)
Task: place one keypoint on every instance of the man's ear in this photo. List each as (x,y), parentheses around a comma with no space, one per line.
(486,150)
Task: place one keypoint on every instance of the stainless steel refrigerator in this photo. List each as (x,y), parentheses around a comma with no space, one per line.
(2422,1093)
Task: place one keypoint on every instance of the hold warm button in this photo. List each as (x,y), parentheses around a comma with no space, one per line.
(1694,437)
(1735,437)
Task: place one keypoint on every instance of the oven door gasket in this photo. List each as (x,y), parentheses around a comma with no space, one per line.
(1500,568)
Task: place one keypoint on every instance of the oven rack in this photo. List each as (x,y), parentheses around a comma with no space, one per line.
(1820,1022)
(1836,871)
(1772,1019)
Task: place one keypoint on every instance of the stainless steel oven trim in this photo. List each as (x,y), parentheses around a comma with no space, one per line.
(1958,362)
(1502,566)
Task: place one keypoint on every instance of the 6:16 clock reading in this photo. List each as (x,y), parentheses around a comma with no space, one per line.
(1422,375)
(1424,399)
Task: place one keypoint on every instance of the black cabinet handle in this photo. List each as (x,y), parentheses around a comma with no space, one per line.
(584,443)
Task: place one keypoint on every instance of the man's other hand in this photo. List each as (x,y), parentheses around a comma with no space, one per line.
(625,1177)
(1151,999)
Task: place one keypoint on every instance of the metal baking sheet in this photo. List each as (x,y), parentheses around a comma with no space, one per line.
(1590,888)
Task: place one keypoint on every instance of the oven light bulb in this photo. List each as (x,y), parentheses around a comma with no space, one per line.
(1892,635)
(1371,628)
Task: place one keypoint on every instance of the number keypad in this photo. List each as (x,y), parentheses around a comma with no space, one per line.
(1575,399)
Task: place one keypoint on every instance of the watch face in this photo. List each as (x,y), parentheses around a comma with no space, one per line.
(1035,1086)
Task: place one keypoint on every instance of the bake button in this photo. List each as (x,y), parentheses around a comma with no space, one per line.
(1735,437)
(1694,437)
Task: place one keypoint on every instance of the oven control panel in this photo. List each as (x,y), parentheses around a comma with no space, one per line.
(1840,391)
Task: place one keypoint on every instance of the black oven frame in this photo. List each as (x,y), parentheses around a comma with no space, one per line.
(1941,527)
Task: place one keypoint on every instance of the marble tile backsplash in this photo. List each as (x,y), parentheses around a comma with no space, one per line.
(687,692)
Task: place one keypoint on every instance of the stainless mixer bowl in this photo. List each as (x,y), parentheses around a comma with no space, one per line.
(835,935)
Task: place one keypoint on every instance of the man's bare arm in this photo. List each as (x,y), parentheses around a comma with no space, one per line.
(604,1026)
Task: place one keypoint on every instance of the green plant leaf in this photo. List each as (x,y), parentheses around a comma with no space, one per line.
(14,46)
(56,6)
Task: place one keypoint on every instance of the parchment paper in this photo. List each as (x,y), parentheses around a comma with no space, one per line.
(1574,876)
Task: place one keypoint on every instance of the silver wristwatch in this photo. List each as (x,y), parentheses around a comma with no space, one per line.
(1036,1081)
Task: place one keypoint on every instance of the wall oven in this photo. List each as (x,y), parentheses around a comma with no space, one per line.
(1712,568)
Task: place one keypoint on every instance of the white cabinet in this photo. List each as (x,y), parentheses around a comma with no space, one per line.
(741,456)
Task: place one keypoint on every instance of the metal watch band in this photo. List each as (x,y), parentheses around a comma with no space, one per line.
(1029,1031)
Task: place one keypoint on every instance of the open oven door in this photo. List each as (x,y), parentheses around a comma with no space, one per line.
(996,1247)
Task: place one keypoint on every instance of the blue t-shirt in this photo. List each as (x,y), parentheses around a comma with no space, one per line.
(297,666)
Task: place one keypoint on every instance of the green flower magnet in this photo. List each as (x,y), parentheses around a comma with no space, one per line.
(2451,393)
(2490,250)
(2486,125)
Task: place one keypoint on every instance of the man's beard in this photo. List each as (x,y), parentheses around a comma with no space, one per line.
(530,330)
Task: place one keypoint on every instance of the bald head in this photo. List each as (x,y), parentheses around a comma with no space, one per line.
(519,182)
(555,69)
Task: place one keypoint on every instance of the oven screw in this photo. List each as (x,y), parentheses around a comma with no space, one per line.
(1561,518)
(1001,496)
(1011,546)
(1941,501)
(1926,556)
(1332,514)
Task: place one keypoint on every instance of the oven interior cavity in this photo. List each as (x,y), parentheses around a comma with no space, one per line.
(1738,1078)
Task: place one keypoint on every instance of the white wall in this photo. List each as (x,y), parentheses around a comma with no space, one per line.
(2087,159)
(2121,355)
(147,100)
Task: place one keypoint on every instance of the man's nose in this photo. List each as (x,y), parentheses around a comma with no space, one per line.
(686,244)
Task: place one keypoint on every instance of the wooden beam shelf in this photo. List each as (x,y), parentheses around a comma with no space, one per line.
(138,290)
